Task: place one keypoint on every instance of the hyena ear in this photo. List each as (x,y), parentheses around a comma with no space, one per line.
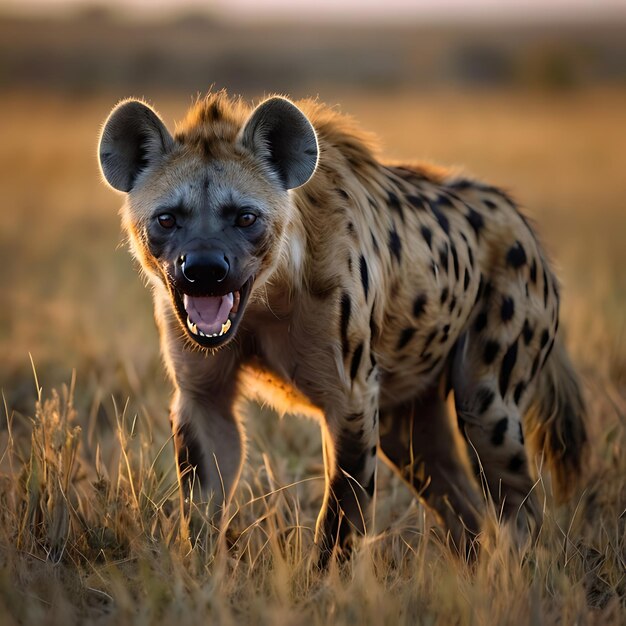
(281,136)
(132,139)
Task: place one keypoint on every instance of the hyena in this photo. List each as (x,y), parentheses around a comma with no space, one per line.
(289,263)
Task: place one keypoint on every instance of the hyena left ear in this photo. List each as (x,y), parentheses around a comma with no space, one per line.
(281,136)
(133,138)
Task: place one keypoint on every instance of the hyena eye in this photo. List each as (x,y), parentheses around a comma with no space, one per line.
(166,220)
(245,219)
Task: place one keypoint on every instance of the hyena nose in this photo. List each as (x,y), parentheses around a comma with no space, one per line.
(204,267)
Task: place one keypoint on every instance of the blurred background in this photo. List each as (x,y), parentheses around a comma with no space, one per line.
(530,96)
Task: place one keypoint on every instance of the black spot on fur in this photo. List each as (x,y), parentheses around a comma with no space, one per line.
(455,261)
(428,341)
(444,295)
(508,309)
(545,288)
(356,361)
(491,351)
(443,257)
(499,430)
(461,184)
(441,218)
(480,322)
(351,228)
(419,305)
(373,451)
(395,205)
(405,336)
(452,304)
(375,243)
(550,346)
(545,335)
(427,234)
(373,326)
(371,485)
(475,220)
(470,256)
(364,276)
(484,399)
(350,264)
(508,363)
(466,279)
(446,334)
(395,245)
(527,332)
(519,390)
(443,201)
(535,366)
(490,204)
(521,433)
(533,272)
(416,202)
(344,320)
(516,256)
(516,463)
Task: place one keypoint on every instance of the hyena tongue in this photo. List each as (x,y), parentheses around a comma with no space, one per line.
(208,314)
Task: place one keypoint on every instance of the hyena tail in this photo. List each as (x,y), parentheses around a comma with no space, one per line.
(555,422)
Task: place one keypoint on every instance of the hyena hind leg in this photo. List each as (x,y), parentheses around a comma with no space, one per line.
(417,440)
(492,427)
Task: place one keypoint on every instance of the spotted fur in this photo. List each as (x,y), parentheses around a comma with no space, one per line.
(379,289)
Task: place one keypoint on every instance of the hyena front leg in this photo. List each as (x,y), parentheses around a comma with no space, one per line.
(350,443)
(208,436)
(209,448)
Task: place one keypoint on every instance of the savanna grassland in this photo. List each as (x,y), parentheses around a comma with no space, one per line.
(90,528)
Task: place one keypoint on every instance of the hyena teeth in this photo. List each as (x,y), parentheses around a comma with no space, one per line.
(225,327)
(192,327)
(196,331)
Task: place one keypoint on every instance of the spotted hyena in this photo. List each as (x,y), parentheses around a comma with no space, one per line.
(288,262)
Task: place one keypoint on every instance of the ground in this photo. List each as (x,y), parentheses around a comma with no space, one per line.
(89,523)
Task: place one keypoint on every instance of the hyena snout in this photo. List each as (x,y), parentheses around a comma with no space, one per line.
(209,291)
(204,270)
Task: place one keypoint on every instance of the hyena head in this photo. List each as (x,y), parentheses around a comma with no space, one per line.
(207,209)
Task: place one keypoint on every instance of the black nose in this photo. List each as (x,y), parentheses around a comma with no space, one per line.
(204,267)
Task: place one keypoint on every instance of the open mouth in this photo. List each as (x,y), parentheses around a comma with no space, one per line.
(212,320)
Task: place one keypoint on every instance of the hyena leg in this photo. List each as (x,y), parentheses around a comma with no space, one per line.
(493,429)
(417,441)
(209,448)
(350,445)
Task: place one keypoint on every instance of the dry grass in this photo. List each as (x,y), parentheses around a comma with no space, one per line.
(89,519)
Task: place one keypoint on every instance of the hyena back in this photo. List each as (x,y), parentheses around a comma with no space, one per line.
(288,262)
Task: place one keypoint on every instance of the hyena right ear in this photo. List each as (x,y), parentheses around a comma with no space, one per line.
(133,138)
(282,137)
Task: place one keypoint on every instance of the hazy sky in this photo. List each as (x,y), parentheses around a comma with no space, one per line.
(360,9)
